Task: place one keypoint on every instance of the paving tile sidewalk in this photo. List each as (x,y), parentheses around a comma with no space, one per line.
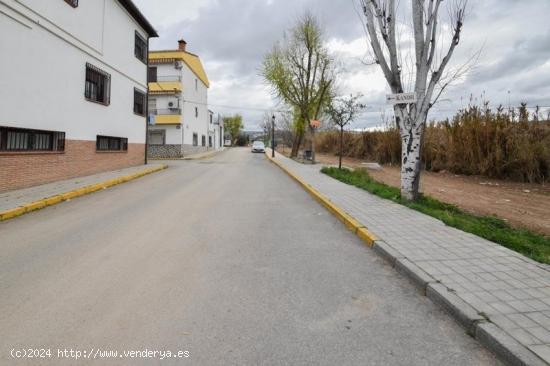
(14,199)
(511,290)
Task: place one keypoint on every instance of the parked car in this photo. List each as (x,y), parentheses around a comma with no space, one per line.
(258,146)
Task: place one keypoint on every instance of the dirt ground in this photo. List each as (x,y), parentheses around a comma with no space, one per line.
(522,205)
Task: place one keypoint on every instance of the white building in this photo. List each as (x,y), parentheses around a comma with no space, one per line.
(178,99)
(215,131)
(73,84)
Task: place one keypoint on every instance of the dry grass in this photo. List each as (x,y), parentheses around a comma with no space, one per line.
(477,141)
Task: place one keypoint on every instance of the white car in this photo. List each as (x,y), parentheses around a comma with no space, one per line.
(258,146)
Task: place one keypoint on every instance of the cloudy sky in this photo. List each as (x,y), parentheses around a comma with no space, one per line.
(232,36)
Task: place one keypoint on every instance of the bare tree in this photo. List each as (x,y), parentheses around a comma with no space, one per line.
(428,75)
(285,126)
(342,111)
(265,125)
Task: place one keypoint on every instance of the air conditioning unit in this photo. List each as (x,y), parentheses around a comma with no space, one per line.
(173,104)
(179,65)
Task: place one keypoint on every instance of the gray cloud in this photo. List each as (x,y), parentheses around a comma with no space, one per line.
(231,36)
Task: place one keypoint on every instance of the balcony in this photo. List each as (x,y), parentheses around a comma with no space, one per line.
(164,119)
(169,112)
(165,87)
(170,116)
(161,78)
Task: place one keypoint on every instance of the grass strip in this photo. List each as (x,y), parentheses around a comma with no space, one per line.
(523,241)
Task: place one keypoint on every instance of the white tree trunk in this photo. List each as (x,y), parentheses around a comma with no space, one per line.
(410,164)
(411,125)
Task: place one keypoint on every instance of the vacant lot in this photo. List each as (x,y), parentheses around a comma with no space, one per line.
(522,205)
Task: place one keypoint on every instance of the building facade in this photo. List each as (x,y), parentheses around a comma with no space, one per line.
(178,103)
(215,131)
(73,85)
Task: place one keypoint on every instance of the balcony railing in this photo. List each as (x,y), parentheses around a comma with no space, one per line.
(161,78)
(170,112)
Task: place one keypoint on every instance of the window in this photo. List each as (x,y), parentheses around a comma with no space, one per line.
(196,85)
(140,48)
(203,140)
(196,112)
(98,85)
(108,143)
(157,137)
(209,141)
(139,102)
(195,139)
(20,139)
(211,118)
(152,74)
(73,3)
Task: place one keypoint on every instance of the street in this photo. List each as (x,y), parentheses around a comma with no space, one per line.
(226,258)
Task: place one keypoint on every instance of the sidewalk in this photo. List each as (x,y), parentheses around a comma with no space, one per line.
(500,296)
(13,200)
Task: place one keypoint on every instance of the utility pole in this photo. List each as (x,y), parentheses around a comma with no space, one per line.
(147,107)
(273,136)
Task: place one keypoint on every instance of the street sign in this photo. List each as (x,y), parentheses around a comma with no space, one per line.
(403,98)
(151,120)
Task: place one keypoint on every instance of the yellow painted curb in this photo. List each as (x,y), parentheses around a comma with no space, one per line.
(366,236)
(53,200)
(14,212)
(33,206)
(351,223)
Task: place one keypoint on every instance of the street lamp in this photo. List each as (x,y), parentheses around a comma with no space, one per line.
(273,136)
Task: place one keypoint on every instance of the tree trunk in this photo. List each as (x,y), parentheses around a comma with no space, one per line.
(312,135)
(411,153)
(296,144)
(410,167)
(341,147)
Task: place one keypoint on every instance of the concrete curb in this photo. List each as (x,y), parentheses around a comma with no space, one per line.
(505,347)
(351,223)
(466,315)
(420,278)
(488,334)
(53,200)
(387,252)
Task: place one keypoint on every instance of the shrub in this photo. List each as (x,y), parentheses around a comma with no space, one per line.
(477,141)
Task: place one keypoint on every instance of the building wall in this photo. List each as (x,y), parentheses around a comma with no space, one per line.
(45,47)
(194,98)
(173,134)
(80,159)
(165,151)
(195,94)
(215,129)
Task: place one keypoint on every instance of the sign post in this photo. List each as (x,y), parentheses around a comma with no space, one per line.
(403,98)
(273,136)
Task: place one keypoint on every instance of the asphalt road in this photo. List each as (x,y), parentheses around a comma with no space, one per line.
(226,258)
